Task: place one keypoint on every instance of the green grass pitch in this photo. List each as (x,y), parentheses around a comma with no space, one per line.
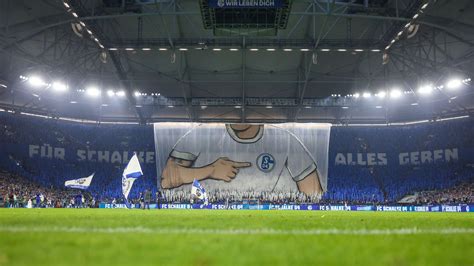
(225,237)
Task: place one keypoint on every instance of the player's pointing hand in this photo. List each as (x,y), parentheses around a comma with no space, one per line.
(226,169)
(241,164)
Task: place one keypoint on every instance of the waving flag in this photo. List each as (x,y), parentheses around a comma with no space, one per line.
(131,172)
(127,184)
(198,191)
(81,183)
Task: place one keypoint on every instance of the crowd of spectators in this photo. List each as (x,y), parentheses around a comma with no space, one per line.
(346,183)
(19,192)
(19,131)
(393,180)
(223,196)
(463,193)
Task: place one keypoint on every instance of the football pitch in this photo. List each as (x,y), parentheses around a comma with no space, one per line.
(238,237)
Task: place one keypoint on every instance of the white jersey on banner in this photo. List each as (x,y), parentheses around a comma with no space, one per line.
(278,154)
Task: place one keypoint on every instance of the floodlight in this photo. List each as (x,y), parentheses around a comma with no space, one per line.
(425,89)
(93,91)
(36,81)
(453,83)
(395,93)
(59,86)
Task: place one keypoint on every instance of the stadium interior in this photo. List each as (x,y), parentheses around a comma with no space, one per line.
(84,84)
(351,179)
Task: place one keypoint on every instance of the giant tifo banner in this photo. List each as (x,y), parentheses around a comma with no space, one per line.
(243,157)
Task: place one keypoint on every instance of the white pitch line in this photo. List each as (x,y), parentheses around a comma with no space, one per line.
(241,231)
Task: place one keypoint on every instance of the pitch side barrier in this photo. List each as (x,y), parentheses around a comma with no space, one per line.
(306,207)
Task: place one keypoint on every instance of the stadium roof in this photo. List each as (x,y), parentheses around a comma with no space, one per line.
(189,60)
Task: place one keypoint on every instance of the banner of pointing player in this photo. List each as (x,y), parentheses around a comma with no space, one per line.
(243,157)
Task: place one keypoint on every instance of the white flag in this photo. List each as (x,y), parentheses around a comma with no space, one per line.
(133,168)
(127,184)
(81,183)
(130,174)
(198,191)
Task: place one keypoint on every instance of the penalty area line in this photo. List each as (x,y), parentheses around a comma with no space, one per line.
(241,231)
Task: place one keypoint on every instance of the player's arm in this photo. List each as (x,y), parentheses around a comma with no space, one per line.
(179,170)
(308,181)
(310,185)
